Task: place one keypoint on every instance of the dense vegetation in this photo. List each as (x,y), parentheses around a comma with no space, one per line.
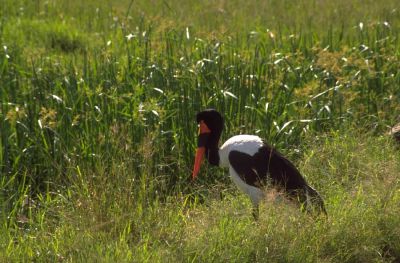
(97,128)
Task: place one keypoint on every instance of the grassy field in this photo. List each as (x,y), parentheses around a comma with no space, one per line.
(97,128)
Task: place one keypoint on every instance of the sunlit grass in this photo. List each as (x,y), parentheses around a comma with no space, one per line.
(97,128)
(93,219)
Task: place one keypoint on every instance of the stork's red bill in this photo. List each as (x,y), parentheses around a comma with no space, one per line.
(204,132)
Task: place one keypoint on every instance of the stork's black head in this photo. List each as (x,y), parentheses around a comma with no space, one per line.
(211,125)
(212,119)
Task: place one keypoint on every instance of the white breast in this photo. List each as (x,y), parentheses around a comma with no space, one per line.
(249,144)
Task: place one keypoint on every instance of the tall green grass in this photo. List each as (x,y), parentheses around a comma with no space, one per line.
(107,215)
(97,106)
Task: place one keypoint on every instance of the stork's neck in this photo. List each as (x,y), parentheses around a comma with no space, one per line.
(212,150)
(213,156)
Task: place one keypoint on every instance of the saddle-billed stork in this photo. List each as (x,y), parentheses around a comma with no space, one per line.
(251,163)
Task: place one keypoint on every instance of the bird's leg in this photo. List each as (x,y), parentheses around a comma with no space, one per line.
(255,212)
